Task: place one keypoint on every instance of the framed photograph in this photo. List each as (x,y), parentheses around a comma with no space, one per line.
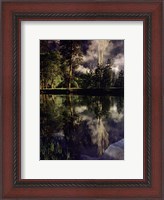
(82,100)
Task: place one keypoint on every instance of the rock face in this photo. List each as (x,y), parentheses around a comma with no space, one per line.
(115,151)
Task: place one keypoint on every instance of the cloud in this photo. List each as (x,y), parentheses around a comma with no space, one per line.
(115,115)
(118,63)
(82,69)
(118,47)
(99,51)
(119,60)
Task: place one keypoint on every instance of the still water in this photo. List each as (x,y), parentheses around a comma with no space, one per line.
(77,127)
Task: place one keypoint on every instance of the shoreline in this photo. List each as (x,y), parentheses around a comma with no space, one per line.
(79,91)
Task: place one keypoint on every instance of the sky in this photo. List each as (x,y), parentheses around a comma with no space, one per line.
(99,51)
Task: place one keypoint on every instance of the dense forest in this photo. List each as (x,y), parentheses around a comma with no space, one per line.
(61,61)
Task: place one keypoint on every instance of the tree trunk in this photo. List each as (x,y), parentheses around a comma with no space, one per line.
(70,77)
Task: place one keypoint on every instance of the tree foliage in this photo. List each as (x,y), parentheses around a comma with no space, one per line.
(71,58)
(59,61)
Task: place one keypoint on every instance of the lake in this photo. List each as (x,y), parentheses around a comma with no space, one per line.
(81,127)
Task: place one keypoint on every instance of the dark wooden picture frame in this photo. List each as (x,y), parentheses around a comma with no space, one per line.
(151,15)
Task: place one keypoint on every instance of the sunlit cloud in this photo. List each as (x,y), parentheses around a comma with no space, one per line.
(118,61)
(82,69)
(115,69)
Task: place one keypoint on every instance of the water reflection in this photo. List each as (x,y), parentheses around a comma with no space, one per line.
(76,127)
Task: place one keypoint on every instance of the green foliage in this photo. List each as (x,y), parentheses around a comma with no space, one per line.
(50,71)
(71,58)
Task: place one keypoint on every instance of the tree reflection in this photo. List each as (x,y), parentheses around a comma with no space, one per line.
(75,127)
